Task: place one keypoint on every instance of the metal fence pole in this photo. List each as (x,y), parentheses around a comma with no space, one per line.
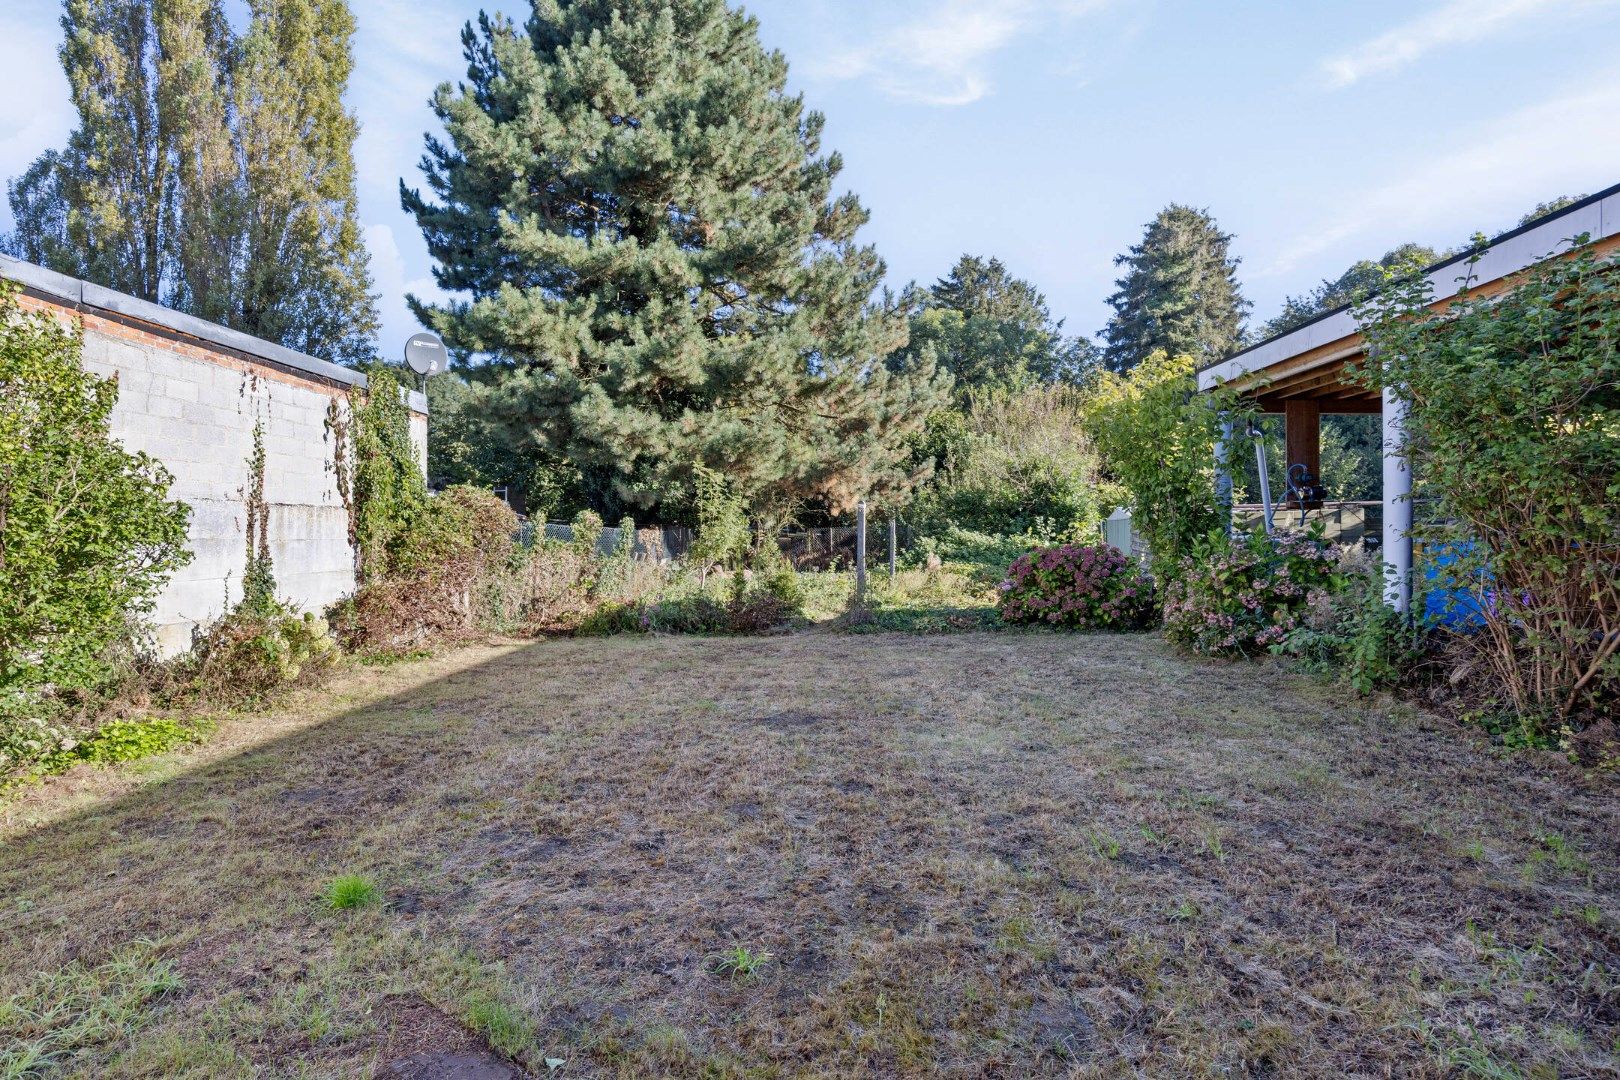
(894,531)
(860,552)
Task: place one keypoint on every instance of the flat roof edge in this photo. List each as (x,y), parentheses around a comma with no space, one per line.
(82,294)
(1597,215)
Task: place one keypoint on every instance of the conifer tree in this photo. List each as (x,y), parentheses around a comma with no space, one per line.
(987,328)
(1179,293)
(209,172)
(1354,285)
(641,221)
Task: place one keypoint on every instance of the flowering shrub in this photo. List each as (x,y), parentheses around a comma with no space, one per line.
(1078,586)
(1242,599)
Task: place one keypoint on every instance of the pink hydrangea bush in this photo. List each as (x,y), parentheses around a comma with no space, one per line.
(1080,587)
(1240,600)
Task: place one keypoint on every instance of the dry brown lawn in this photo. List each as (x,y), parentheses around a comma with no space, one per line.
(972,855)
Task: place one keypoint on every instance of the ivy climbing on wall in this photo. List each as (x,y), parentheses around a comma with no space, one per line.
(377,474)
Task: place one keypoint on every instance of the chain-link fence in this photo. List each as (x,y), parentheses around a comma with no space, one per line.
(656,542)
(807,549)
(834,547)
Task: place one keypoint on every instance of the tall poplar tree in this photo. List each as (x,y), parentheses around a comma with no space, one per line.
(1179,293)
(303,277)
(641,223)
(211,172)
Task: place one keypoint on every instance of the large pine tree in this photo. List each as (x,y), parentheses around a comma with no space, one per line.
(210,171)
(1179,293)
(642,223)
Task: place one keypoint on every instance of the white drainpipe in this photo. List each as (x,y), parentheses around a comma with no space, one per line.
(1397,548)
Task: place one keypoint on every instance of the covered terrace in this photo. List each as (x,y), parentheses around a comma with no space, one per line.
(1301,374)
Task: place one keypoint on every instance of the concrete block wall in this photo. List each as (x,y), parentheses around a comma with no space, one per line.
(190,394)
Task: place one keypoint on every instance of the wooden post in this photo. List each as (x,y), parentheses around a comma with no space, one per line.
(860,552)
(1302,434)
(894,535)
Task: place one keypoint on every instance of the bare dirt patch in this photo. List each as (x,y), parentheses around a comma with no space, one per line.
(982,854)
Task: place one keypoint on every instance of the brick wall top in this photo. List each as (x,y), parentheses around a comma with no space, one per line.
(205,337)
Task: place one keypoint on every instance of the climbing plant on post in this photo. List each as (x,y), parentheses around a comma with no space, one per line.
(1514,422)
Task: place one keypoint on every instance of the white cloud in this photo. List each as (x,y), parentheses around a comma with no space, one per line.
(390,278)
(1562,146)
(942,55)
(1454,22)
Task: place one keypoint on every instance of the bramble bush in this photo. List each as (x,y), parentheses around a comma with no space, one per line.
(1240,598)
(1514,399)
(251,651)
(1351,634)
(1080,587)
(451,569)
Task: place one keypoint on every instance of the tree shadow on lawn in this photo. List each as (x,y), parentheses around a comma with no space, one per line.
(973,854)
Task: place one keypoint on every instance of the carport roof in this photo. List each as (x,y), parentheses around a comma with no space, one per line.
(1308,361)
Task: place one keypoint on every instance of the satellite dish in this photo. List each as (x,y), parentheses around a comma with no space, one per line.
(425,354)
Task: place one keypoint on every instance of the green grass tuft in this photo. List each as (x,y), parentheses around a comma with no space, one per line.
(740,962)
(348,891)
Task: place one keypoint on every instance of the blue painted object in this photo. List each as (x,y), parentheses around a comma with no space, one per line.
(1455,590)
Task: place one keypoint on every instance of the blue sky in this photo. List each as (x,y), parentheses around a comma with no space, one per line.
(1047,132)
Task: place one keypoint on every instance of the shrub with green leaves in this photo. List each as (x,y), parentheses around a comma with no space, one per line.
(1157,437)
(88,535)
(1078,587)
(989,554)
(1514,428)
(31,749)
(736,606)
(1351,634)
(1008,462)
(1240,599)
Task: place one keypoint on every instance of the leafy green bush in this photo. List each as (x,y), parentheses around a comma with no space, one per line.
(1513,399)
(722,521)
(1093,587)
(28,739)
(1240,599)
(689,608)
(1349,633)
(990,553)
(935,600)
(33,750)
(1157,436)
(1006,462)
(87,535)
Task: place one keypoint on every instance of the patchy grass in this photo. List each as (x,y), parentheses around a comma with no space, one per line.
(1005,854)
